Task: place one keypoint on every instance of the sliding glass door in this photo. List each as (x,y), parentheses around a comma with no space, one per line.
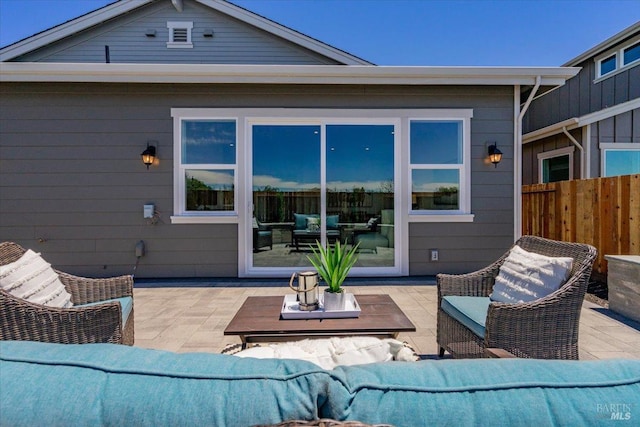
(322,182)
(286,193)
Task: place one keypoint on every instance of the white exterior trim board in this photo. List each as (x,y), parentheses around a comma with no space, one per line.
(576,122)
(68,28)
(280,74)
(607,44)
(123,6)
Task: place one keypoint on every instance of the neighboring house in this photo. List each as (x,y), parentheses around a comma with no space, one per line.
(589,127)
(250,120)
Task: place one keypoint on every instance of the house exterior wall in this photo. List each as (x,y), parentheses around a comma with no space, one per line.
(581,96)
(72,184)
(585,96)
(623,128)
(530,162)
(233,42)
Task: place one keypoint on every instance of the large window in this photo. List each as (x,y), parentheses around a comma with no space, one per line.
(620,159)
(438,167)
(291,177)
(207,167)
(556,165)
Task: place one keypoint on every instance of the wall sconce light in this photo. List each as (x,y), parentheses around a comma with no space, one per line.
(495,155)
(149,155)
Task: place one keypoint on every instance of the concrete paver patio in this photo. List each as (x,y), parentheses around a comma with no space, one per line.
(192,319)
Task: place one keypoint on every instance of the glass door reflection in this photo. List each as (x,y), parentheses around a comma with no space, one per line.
(290,212)
(286,194)
(360,190)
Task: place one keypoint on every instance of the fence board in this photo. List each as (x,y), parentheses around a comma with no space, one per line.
(603,212)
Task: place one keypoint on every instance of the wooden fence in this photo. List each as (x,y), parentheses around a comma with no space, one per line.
(603,212)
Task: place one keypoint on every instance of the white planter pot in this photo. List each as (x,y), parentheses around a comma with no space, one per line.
(334,301)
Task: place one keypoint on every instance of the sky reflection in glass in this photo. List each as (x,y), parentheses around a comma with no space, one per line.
(430,180)
(214,179)
(209,142)
(622,162)
(436,142)
(359,156)
(286,157)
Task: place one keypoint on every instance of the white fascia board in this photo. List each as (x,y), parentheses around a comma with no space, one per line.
(550,130)
(605,45)
(280,74)
(68,28)
(286,33)
(123,6)
(605,113)
(576,122)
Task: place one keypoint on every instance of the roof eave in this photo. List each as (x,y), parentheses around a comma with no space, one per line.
(280,74)
(605,45)
(68,28)
(124,6)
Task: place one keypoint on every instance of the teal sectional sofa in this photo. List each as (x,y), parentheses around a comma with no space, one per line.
(106,384)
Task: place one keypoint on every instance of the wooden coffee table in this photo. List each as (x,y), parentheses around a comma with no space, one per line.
(258,320)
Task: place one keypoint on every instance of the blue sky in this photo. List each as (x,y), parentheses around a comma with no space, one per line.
(404,32)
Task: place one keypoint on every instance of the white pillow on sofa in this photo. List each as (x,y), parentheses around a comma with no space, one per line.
(32,278)
(527,276)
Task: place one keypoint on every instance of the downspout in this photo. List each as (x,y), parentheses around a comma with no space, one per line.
(577,144)
(517,155)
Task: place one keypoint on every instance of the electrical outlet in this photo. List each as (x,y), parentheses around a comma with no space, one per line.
(434,255)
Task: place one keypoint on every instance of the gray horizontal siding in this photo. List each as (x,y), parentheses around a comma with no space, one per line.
(71,175)
(234,42)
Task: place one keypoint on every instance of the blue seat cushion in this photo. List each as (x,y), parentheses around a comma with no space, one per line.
(126,303)
(111,384)
(470,311)
(301,220)
(483,392)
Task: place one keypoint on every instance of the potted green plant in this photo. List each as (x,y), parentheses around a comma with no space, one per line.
(333,265)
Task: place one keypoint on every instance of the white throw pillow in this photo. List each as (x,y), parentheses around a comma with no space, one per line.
(527,276)
(32,278)
(331,352)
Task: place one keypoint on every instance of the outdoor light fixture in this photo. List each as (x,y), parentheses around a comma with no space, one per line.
(495,155)
(149,155)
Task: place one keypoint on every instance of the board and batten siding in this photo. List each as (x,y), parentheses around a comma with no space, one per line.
(623,128)
(72,184)
(581,96)
(233,41)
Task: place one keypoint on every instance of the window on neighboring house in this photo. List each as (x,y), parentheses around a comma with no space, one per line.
(631,54)
(608,65)
(207,162)
(556,165)
(439,167)
(620,159)
(618,59)
(180,34)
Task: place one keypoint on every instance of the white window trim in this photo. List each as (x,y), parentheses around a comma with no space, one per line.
(172,25)
(464,213)
(323,119)
(620,65)
(247,116)
(552,154)
(614,146)
(180,215)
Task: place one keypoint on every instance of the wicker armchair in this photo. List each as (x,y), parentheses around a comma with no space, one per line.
(546,328)
(101,323)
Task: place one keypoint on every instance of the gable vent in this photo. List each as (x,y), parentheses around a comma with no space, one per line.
(179,34)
